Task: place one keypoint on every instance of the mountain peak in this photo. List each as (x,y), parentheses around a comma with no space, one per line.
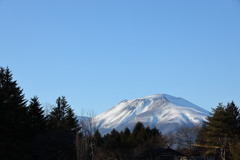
(159,96)
(163,111)
(153,96)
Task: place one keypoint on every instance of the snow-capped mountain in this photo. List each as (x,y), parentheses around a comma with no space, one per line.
(164,111)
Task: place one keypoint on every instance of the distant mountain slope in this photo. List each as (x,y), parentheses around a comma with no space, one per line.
(164,111)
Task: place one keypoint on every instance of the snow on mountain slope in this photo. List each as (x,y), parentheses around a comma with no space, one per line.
(165,112)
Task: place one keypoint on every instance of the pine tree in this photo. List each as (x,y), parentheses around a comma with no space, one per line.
(233,134)
(138,128)
(13,118)
(113,140)
(232,115)
(138,135)
(71,122)
(36,116)
(125,137)
(155,132)
(62,117)
(216,130)
(58,116)
(98,138)
(221,129)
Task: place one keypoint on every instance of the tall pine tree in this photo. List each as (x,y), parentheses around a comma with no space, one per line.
(13,118)
(58,141)
(62,117)
(98,138)
(36,116)
(71,121)
(221,130)
(58,115)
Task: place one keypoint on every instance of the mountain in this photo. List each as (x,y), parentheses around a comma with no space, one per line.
(163,111)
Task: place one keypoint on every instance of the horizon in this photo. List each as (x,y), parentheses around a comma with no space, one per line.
(97,54)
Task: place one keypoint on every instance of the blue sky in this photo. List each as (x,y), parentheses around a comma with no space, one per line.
(97,53)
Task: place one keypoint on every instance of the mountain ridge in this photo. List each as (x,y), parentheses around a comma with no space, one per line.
(163,111)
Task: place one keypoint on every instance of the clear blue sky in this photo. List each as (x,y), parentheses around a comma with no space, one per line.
(99,52)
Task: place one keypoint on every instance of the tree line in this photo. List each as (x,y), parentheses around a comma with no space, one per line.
(138,144)
(27,132)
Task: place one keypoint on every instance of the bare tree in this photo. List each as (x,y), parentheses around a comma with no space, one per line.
(170,140)
(85,144)
(186,136)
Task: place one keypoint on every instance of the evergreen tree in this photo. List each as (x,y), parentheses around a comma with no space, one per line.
(138,128)
(232,120)
(36,116)
(221,129)
(156,139)
(114,140)
(233,134)
(126,133)
(98,138)
(71,121)
(136,145)
(155,132)
(58,141)
(57,118)
(126,144)
(125,137)
(216,130)
(62,117)
(138,135)
(13,118)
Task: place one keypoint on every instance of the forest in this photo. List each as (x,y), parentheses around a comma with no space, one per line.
(28,132)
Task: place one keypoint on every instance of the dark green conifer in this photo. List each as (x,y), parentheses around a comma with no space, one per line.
(155,132)
(58,115)
(138,135)
(71,121)
(13,118)
(126,134)
(221,129)
(98,138)
(62,117)
(113,140)
(125,137)
(138,128)
(36,116)
(232,115)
